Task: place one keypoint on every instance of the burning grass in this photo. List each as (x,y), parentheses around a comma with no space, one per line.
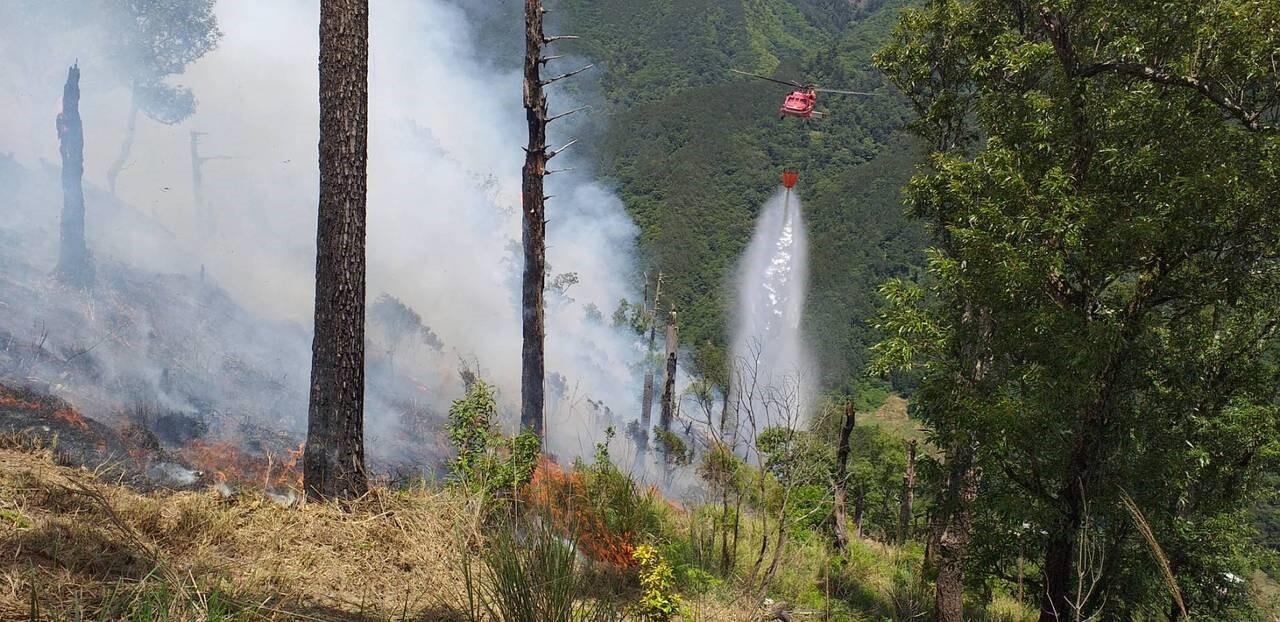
(228,464)
(609,513)
(35,403)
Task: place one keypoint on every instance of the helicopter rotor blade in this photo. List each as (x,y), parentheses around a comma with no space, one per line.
(843,92)
(791,83)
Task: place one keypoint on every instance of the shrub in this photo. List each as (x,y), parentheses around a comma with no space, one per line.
(907,597)
(673,448)
(488,462)
(658,599)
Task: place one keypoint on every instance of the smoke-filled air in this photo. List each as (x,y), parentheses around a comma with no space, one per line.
(205,252)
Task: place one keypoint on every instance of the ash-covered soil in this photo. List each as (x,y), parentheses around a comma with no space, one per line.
(170,378)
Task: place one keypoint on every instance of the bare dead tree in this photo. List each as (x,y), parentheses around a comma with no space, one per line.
(73,253)
(784,405)
(205,219)
(646,403)
(533,201)
(669,388)
(762,403)
(333,464)
(908,494)
(721,467)
(842,467)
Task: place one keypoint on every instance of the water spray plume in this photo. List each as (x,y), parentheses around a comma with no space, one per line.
(772,362)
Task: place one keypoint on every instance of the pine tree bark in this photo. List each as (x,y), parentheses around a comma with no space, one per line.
(533,199)
(333,465)
(73,252)
(842,470)
(669,390)
(908,495)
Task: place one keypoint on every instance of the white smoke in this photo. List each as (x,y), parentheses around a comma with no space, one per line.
(443,222)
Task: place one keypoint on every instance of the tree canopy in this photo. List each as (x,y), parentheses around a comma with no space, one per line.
(1103,196)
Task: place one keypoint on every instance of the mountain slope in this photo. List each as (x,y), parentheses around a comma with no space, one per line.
(694,150)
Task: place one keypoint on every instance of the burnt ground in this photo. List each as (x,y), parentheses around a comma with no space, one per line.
(166,369)
(33,420)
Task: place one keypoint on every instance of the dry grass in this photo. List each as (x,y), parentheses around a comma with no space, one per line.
(82,549)
(892,414)
(76,548)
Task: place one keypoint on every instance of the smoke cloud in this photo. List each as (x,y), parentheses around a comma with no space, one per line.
(443,222)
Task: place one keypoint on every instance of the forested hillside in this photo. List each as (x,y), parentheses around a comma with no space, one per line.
(695,150)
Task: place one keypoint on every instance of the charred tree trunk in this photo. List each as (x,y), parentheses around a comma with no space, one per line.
(669,391)
(197,176)
(646,399)
(646,404)
(73,252)
(908,495)
(333,465)
(533,200)
(126,147)
(842,469)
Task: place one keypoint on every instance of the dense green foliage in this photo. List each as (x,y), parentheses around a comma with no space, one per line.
(1099,335)
(695,151)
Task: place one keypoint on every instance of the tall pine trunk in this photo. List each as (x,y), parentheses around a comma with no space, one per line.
(333,465)
(73,253)
(533,199)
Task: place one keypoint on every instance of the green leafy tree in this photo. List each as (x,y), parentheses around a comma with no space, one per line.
(1110,252)
(152,40)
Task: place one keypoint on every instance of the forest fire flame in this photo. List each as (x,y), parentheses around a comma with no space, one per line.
(65,414)
(69,416)
(229,465)
(563,495)
(9,400)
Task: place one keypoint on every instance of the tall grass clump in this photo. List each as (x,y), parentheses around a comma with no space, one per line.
(532,575)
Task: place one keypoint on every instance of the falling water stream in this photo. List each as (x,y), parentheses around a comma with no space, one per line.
(773,366)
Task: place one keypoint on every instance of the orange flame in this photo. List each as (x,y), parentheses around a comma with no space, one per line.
(230,465)
(9,400)
(65,414)
(562,494)
(69,416)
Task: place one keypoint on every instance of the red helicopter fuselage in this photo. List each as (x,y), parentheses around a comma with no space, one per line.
(799,104)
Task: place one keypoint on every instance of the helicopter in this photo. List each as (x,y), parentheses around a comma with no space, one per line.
(802,101)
